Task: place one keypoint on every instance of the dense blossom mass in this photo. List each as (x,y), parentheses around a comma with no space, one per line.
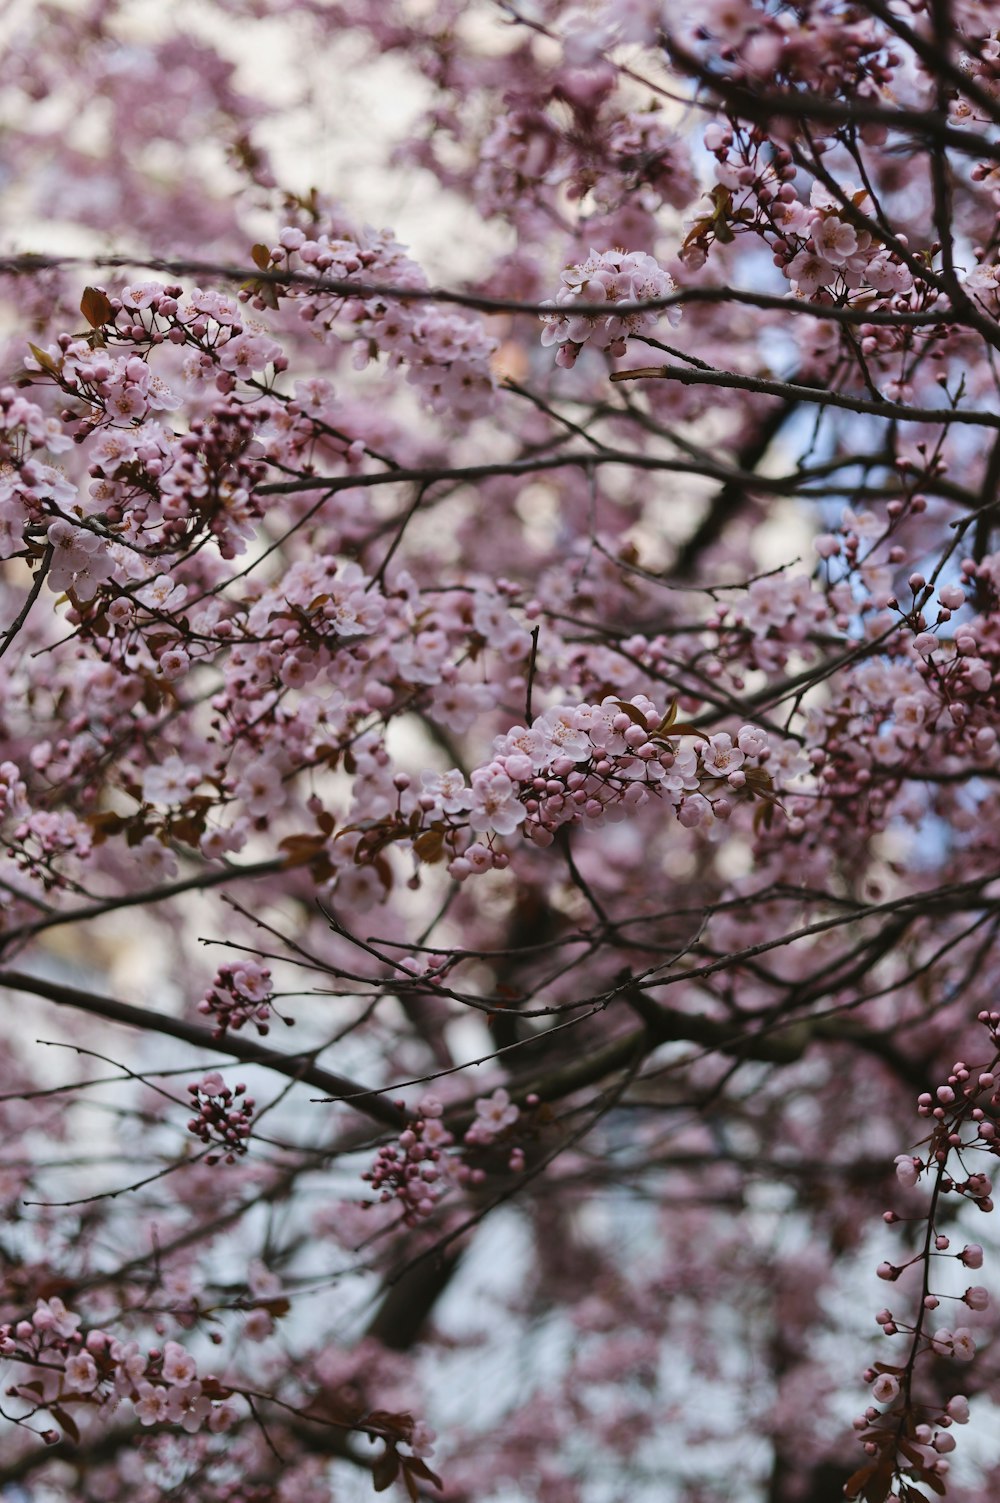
(499,751)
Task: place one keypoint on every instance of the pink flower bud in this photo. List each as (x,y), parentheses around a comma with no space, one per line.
(958,1409)
(885,1388)
(907,1170)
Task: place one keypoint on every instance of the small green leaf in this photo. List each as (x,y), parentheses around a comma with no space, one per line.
(45,361)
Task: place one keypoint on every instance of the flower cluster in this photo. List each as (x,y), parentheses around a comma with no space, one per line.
(223,1120)
(414,1170)
(161,488)
(30,489)
(13,791)
(446,354)
(299,597)
(574,764)
(827,247)
(607,277)
(494,1115)
(239,994)
(587,763)
(496,1118)
(636,157)
(417,1170)
(98,1371)
(909,1441)
(822,248)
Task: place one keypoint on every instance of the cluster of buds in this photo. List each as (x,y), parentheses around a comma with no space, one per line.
(223,1120)
(414,1169)
(580,764)
(909,1441)
(239,994)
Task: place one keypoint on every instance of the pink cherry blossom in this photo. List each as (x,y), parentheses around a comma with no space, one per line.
(885,1389)
(500,793)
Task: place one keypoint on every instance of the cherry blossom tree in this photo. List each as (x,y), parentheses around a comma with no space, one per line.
(500,890)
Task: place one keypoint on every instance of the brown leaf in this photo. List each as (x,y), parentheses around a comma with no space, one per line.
(419,1468)
(104,824)
(695,233)
(375,841)
(635,715)
(188,828)
(96,308)
(763,817)
(429,846)
(276,1307)
(854,1485)
(266,291)
(668,719)
(213,1389)
(67,1422)
(301,849)
(386,1469)
(400,1424)
(881,1481)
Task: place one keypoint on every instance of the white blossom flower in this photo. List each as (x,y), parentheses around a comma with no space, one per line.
(495,806)
(169,782)
(149,1406)
(496,1112)
(81,1372)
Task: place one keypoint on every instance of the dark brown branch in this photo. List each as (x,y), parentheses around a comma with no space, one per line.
(374,1104)
(763,107)
(731,380)
(784,303)
(32,596)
